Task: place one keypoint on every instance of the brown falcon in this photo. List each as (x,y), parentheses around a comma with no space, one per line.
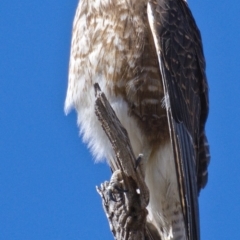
(148,59)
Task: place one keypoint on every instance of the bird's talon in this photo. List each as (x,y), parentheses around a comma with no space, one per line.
(120,190)
(138,160)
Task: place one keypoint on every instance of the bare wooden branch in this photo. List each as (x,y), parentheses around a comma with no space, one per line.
(126,196)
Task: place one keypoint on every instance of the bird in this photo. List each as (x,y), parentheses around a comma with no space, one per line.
(147,57)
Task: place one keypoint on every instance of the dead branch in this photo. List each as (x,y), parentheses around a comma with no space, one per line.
(126,196)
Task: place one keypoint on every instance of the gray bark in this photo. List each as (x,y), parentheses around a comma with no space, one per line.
(125,196)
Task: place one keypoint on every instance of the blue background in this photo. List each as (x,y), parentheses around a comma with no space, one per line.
(47,176)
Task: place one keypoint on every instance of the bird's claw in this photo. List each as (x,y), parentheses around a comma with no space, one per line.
(138,161)
(115,187)
(111,194)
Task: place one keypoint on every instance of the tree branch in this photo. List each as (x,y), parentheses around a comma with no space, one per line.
(126,196)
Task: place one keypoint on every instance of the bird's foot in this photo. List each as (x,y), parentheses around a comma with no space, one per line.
(115,187)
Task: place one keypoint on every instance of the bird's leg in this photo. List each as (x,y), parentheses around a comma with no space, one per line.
(142,159)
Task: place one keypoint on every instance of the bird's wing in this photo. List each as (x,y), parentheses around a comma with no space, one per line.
(182,65)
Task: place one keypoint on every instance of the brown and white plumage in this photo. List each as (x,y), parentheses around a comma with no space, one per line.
(147,57)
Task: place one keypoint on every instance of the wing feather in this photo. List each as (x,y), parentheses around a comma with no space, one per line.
(182,65)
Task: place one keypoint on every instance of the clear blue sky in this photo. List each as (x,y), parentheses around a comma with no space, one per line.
(47,176)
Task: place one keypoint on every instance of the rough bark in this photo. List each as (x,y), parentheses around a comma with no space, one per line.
(126,196)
